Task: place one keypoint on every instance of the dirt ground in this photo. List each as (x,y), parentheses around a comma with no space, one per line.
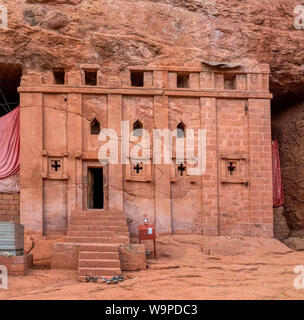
(188,267)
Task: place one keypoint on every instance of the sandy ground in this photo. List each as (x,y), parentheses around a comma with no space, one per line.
(241,268)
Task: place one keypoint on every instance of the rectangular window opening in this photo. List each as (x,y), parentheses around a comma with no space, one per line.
(59,76)
(183,80)
(95,188)
(230,81)
(137,78)
(90,77)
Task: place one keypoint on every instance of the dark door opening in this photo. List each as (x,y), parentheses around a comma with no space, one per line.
(95,188)
(10,77)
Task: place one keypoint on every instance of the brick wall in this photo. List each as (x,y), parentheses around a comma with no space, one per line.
(10,207)
(232,143)
(261,193)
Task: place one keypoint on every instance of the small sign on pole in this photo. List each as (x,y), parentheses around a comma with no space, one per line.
(147,232)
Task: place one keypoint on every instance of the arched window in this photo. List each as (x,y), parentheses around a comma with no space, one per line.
(137,129)
(95,127)
(181,128)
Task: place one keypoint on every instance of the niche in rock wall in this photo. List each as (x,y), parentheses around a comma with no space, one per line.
(90,77)
(137,78)
(230,81)
(183,80)
(59,76)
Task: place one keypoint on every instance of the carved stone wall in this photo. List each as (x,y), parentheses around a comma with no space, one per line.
(232,196)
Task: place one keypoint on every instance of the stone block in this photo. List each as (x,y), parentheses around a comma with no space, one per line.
(65,256)
(132,257)
(17,265)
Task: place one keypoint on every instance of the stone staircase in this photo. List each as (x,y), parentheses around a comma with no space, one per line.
(98,234)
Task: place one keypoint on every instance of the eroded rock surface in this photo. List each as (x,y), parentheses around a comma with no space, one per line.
(43,34)
(288,128)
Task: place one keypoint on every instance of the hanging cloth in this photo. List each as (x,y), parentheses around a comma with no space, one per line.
(278,195)
(10,143)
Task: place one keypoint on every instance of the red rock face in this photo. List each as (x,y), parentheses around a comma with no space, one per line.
(288,128)
(44,34)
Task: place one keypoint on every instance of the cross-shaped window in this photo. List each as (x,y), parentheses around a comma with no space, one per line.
(138,168)
(231,168)
(181,168)
(55,164)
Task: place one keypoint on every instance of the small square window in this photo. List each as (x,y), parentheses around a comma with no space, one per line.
(230,81)
(90,77)
(137,78)
(59,76)
(183,80)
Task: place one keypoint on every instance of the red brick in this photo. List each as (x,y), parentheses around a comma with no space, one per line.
(17,267)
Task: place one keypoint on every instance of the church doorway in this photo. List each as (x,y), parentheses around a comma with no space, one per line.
(95,188)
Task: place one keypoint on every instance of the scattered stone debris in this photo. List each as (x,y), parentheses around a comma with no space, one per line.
(108,280)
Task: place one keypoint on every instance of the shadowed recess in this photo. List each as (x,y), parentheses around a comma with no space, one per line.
(10,77)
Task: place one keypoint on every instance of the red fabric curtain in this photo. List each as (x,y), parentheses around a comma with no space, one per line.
(278,195)
(10,143)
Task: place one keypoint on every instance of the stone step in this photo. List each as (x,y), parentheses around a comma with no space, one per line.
(97,239)
(98,263)
(95,247)
(98,218)
(88,212)
(97,272)
(97,212)
(112,223)
(80,233)
(80,227)
(88,255)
